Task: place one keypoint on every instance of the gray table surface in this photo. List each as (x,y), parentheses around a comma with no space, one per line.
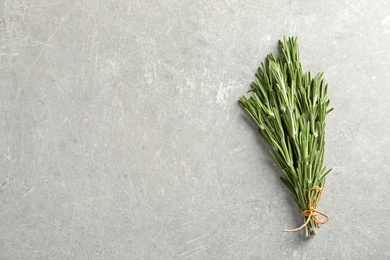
(121,136)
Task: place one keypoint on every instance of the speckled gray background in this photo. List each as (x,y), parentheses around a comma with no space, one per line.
(121,136)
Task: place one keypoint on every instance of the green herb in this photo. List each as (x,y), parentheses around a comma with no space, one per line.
(289,106)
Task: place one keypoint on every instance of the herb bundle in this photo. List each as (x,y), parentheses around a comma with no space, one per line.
(289,106)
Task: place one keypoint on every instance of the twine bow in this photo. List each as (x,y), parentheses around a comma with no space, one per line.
(312,212)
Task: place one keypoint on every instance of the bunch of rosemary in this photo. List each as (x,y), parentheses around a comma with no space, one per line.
(289,106)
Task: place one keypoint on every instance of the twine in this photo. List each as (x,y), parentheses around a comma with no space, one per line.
(312,212)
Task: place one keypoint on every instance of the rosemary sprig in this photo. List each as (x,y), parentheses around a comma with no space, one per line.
(289,107)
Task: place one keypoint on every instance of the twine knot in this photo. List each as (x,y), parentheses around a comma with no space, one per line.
(312,212)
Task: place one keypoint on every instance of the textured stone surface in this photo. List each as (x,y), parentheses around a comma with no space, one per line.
(121,136)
